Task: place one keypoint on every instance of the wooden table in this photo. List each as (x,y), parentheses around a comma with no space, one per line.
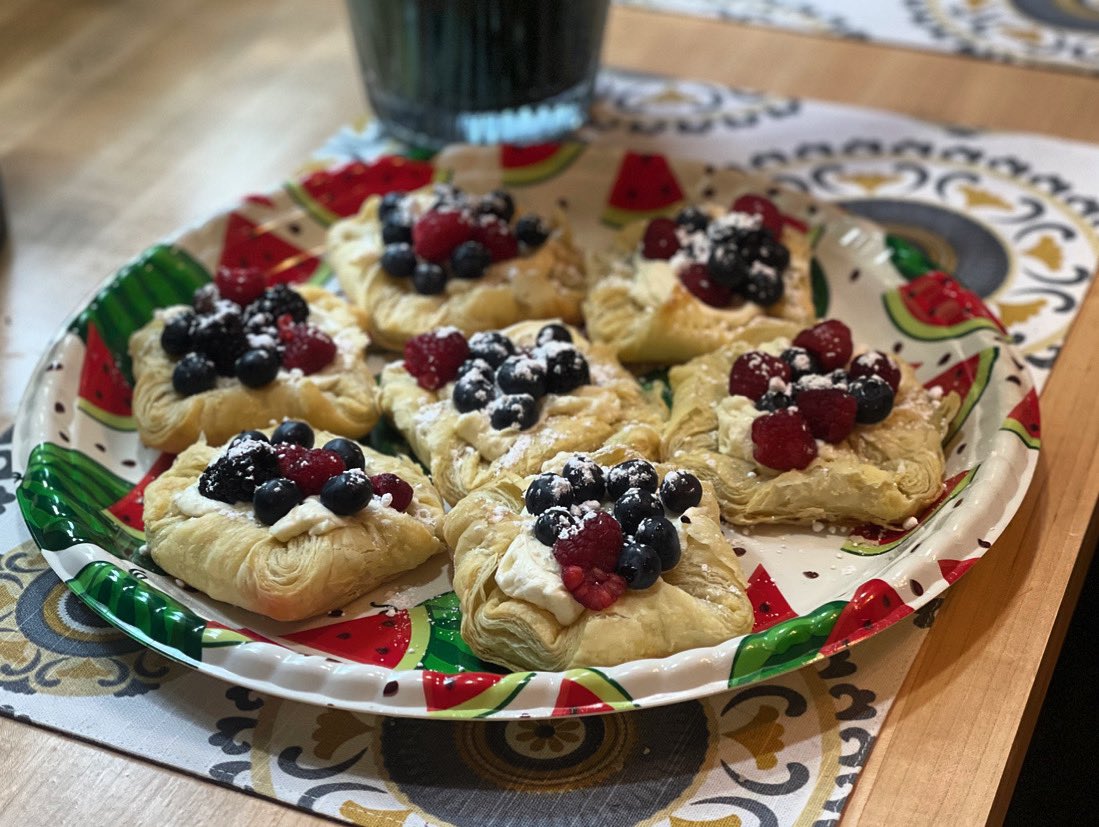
(121,121)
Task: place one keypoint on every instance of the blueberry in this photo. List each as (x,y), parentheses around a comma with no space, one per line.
(245,436)
(517,409)
(692,219)
(550,524)
(660,534)
(176,336)
(633,473)
(874,397)
(764,287)
(774,401)
(634,506)
(429,278)
(531,231)
(638,564)
(274,499)
(194,373)
(396,232)
(470,259)
(801,362)
(256,368)
(839,378)
(205,298)
(347,492)
(399,260)
(548,491)
(566,370)
(586,477)
(522,374)
(349,451)
(473,391)
(498,203)
(680,490)
(475,365)
(234,476)
(293,431)
(492,346)
(391,202)
(727,268)
(553,332)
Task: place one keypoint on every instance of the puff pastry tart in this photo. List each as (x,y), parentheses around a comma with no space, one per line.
(437,257)
(598,560)
(789,428)
(670,290)
(506,401)
(245,356)
(278,527)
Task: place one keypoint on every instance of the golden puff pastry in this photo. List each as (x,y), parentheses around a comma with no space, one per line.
(883,473)
(342,397)
(640,308)
(464,452)
(699,602)
(309,562)
(546,283)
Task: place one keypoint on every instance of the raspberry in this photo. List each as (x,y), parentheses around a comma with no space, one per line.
(496,235)
(434,358)
(765,209)
(696,278)
(783,441)
(242,285)
(395,487)
(304,346)
(660,240)
(752,374)
(310,468)
(829,341)
(876,363)
(829,412)
(596,543)
(593,588)
(438,232)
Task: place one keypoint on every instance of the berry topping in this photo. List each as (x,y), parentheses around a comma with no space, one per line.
(594,544)
(391,202)
(692,219)
(274,499)
(696,278)
(470,259)
(434,358)
(194,373)
(256,368)
(429,279)
(768,213)
(829,341)
(660,240)
(876,363)
(473,391)
(801,362)
(310,468)
(634,506)
(493,347)
(399,491)
(522,374)
(498,203)
(349,451)
(438,232)
(398,260)
(633,473)
(531,231)
(220,337)
(205,298)
(586,477)
(874,399)
(346,492)
(242,285)
(548,491)
(497,238)
(279,301)
(765,286)
(294,432)
(829,412)
(304,347)
(553,332)
(593,589)
(638,564)
(753,372)
(396,231)
(243,436)
(680,490)
(551,523)
(566,368)
(727,267)
(782,441)
(176,336)
(518,409)
(474,365)
(659,534)
(233,476)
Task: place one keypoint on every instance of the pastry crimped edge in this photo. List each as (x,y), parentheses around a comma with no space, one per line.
(549,282)
(645,328)
(576,421)
(339,398)
(237,560)
(882,474)
(700,602)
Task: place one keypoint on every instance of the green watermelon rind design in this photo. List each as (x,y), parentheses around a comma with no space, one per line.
(985,364)
(616,217)
(545,169)
(112,421)
(446,652)
(905,322)
(603,686)
(786,646)
(818,284)
(1033,443)
(907,259)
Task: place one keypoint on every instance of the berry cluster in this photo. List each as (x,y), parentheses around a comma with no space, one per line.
(810,392)
(491,374)
(459,237)
(239,327)
(720,260)
(277,474)
(602,554)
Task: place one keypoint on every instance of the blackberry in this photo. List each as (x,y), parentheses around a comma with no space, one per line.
(634,506)
(764,286)
(473,391)
(586,477)
(399,260)
(548,491)
(233,477)
(727,267)
(517,409)
(220,337)
(550,524)
(429,279)
(498,203)
(194,373)
(801,361)
(638,564)
(492,347)
(680,490)
(278,301)
(522,374)
(176,336)
(470,259)
(633,473)
(874,398)
(772,253)
(531,231)
(692,219)
(566,369)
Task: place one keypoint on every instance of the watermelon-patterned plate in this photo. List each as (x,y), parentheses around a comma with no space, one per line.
(398,651)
